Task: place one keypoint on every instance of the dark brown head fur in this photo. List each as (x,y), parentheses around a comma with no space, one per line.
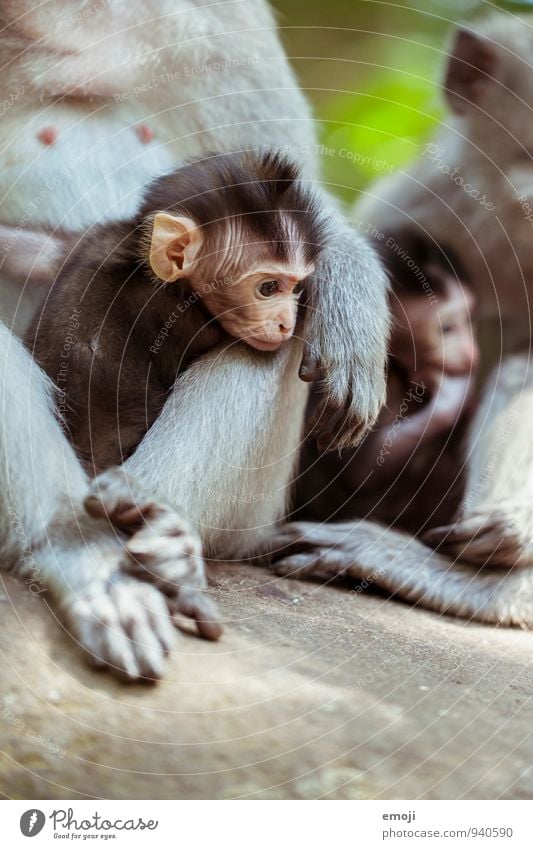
(411,258)
(260,191)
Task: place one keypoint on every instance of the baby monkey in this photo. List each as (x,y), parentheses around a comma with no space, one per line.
(220,248)
(407,472)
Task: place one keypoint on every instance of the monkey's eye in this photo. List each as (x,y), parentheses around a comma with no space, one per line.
(268,289)
(298,289)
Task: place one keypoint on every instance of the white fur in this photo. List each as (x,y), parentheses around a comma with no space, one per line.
(233,489)
(204,76)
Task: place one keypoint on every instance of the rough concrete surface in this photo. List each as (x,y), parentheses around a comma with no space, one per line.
(314,691)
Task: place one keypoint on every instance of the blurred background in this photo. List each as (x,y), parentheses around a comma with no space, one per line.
(372,70)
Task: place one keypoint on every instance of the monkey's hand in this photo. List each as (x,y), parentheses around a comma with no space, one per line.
(497,536)
(345,348)
(164,547)
(450,399)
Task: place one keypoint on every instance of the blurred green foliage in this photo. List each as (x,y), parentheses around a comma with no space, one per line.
(372,70)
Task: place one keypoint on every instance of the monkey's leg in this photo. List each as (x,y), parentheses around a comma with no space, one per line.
(49,539)
(405,567)
(495,524)
(225,444)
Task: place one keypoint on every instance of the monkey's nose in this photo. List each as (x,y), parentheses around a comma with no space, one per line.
(283,329)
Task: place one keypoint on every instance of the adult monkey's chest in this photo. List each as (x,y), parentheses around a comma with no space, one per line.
(94,169)
(96,107)
(70,164)
(184,80)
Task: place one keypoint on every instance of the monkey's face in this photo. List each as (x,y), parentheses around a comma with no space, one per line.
(436,336)
(259,307)
(254,296)
(460,352)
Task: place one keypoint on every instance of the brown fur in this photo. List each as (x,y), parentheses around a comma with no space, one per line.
(419,482)
(114,338)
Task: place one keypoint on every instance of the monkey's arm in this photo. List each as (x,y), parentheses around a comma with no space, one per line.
(403,566)
(112,399)
(30,255)
(346,333)
(388,449)
(108,396)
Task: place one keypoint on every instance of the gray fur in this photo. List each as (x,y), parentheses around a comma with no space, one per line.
(225,445)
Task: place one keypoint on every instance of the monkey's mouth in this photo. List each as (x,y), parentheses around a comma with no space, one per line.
(261,345)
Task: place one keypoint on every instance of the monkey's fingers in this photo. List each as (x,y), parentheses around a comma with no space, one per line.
(320,420)
(198,606)
(346,411)
(125,627)
(164,548)
(485,538)
(326,562)
(287,544)
(164,554)
(464,531)
(310,369)
(361,410)
(344,431)
(298,538)
(299,565)
(334,427)
(116,496)
(447,535)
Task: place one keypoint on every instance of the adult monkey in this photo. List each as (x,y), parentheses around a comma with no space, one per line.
(471,190)
(99,98)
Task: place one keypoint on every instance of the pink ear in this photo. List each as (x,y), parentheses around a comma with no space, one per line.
(472,63)
(175,244)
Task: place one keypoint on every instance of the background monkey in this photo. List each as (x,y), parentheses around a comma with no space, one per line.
(471,189)
(232,238)
(407,471)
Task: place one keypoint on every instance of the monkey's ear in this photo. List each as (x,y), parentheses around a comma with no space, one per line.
(472,63)
(176,241)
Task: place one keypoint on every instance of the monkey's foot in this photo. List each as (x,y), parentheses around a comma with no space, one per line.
(301,549)
(123,625)
(499,536)
(164,548)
